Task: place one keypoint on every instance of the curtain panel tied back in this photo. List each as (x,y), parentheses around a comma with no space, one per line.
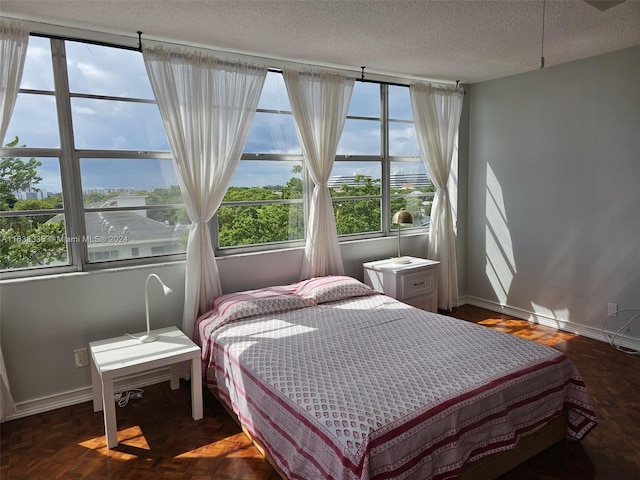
(207,107)
(436,113)
(14,40)
(319,104)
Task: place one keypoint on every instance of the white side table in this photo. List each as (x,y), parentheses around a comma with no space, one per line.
(414,283)
(121,356)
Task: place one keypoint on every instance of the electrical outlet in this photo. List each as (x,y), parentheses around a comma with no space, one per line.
(82,357)
(612,310)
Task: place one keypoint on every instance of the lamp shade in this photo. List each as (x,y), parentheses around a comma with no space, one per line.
(402,217)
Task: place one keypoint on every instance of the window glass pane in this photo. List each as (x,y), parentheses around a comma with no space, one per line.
(117,235)
(28,241)
(409,176)
(32,241)
(266,180)
(125,182)
(357,216)
(360,137)
(273,133)
(259,224)
(355,178)
(412,190)
(402,140)
(365,100)
(94,69)
(274,93)
(38,68)
(399,103)
(30,183)
(34,121)
(115,125)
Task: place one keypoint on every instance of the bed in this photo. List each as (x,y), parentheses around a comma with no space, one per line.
(333,380)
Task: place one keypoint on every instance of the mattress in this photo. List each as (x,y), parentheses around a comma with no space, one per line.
(369,387)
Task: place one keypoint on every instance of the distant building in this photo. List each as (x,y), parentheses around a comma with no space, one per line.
(397,180)
(106,191)
(410,180)
(337,181)
(31,194)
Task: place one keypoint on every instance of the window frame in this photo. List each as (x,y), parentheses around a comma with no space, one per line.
(380,158)
(74,210)
(261,247)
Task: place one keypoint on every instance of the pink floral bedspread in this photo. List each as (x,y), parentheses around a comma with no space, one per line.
(372,388)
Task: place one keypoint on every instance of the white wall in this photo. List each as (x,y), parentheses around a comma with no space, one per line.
(554,192)
(44,319)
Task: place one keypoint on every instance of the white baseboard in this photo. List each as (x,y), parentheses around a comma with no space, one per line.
(547,321)
(73,397)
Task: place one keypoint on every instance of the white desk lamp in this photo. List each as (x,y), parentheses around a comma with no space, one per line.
(401,217)
(149,337)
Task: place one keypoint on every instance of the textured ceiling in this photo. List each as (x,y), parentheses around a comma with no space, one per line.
(470,41)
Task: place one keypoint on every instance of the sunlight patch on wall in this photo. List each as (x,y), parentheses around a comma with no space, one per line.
(501,265)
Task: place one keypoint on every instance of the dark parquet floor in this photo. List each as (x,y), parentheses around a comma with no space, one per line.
(159,440)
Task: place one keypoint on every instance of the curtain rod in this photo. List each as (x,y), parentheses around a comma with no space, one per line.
(138,48)
(395,84)
(92,42)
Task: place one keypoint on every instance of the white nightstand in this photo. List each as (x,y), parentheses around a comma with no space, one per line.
(121,356)
(414,283)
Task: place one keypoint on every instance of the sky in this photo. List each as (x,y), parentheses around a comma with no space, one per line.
(111,124)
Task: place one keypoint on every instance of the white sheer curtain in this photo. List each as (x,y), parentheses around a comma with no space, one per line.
(207,107)
(14,40)
(436,113)
(319,103)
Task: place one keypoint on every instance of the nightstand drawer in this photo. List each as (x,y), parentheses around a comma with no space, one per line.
(417,283)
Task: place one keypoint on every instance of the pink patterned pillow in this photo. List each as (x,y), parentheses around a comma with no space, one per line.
(263,301)
(332,288)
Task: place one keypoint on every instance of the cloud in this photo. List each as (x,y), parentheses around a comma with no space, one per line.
(38,71)
(403,140)
(77,110)
(34,121)
(93,73)
(108,71)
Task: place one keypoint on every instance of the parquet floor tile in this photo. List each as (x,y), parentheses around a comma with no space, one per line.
(160,441)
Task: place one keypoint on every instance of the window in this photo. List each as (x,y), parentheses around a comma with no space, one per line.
(264,206)
(87,176)
(409,183)
(131,199)
(87,179)
(356,179)
(32,213)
